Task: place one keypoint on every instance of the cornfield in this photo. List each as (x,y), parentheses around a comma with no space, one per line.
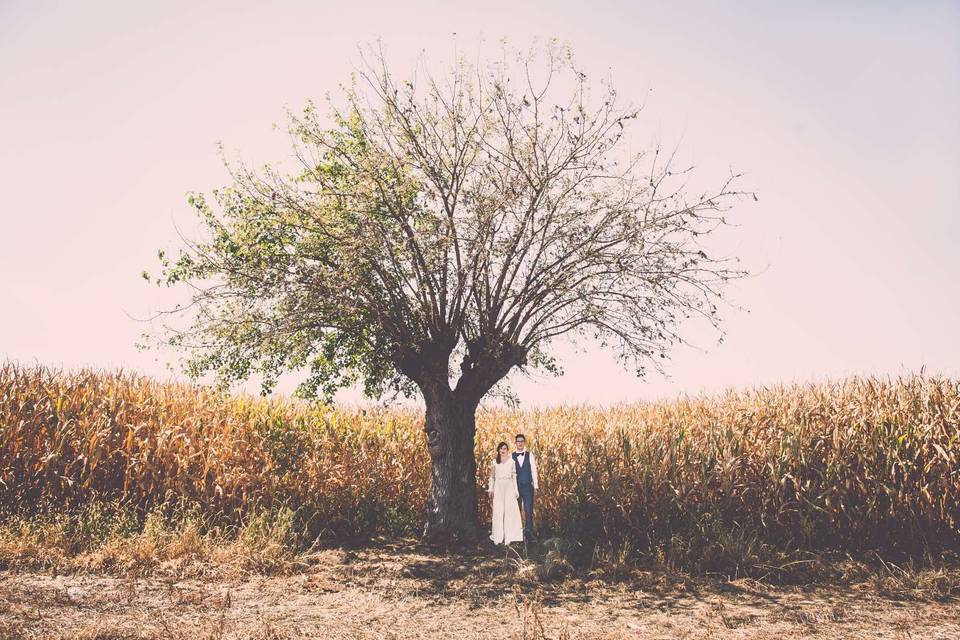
(853,465)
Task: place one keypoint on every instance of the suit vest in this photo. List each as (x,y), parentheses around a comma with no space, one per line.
(524,472)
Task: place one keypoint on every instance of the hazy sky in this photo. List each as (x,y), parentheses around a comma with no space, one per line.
(843,117)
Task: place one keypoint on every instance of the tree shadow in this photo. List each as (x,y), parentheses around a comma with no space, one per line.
(480,574)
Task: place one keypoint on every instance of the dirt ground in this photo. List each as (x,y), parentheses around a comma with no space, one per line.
(406,592)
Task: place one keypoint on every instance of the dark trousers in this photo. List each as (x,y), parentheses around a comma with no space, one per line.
(526,501)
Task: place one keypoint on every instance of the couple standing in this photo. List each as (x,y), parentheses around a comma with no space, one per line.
(513,479)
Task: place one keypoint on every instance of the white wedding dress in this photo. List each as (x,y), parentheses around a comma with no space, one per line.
(507,526)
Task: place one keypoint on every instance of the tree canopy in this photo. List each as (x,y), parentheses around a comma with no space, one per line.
(449,229)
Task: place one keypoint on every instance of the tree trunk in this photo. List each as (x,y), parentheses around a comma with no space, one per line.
(450,426)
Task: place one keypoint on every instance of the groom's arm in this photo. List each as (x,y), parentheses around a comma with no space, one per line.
(533,471)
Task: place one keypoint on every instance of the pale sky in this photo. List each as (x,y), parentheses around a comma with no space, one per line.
(842,116)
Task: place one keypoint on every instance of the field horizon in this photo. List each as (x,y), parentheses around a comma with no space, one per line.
(855,465)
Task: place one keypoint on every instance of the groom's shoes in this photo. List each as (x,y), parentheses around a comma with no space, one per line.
(528,535)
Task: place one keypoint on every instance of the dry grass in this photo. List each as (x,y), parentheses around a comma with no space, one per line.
(404,591)
(175,545)
(758,483)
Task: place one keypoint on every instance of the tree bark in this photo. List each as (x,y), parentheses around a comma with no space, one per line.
(450,425)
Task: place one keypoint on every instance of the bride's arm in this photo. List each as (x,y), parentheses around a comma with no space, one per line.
(513,480)
(491,479)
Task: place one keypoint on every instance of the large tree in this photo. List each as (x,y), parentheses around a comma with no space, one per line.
(438,233)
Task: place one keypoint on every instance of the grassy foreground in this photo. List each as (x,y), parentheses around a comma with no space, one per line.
(759,483)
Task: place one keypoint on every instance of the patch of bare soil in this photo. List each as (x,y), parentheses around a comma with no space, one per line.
(403,592)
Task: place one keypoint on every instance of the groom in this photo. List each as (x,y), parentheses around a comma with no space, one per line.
(526,482)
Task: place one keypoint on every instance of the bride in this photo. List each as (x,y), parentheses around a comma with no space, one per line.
(502,488)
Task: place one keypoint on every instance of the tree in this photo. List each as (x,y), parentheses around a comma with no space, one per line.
(437,234)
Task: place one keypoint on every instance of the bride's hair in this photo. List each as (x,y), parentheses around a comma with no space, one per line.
(501,446)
